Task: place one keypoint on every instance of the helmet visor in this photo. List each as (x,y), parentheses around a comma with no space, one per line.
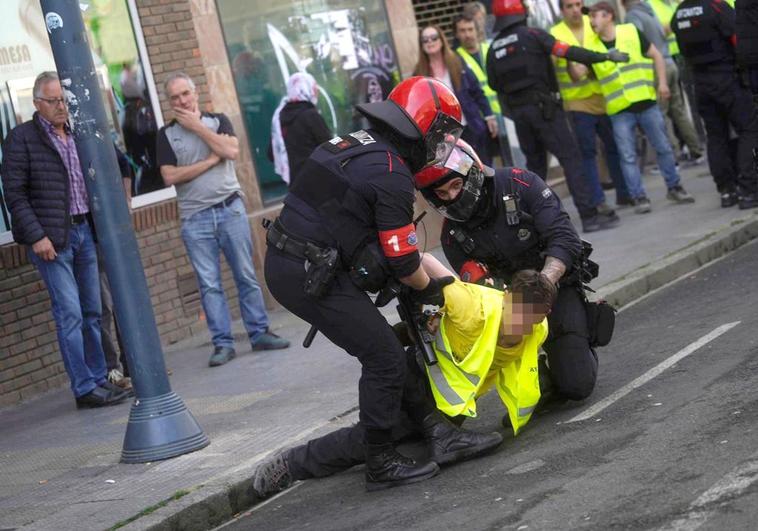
(441,138)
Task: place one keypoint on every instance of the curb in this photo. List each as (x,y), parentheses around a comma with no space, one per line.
(647,278)
(208,506)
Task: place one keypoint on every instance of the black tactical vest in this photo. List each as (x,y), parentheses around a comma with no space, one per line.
(520,62)
(325,204)
(699,40)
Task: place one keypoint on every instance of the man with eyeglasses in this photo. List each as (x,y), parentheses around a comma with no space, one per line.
(49,206)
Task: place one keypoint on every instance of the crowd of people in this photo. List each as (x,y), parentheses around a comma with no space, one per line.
(346,228)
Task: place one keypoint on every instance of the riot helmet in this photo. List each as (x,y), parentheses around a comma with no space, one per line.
(463,163)
(508,13)
(422,111)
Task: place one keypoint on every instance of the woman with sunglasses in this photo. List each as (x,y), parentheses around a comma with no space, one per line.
(438,60)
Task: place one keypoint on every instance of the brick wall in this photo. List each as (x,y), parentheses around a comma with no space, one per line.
(30,361)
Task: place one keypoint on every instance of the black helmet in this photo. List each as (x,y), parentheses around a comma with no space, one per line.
(463,162)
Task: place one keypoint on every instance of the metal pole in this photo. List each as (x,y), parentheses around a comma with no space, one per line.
(160,425)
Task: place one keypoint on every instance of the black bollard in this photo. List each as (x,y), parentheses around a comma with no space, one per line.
(160,425)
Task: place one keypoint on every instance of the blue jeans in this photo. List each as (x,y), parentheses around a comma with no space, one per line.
(587,127)
(74,287)
(652,124)
(208,233)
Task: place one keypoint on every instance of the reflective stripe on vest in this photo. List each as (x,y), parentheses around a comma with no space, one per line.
(570,89)
(664,12)
(456,384)
(480,74)
(625,83)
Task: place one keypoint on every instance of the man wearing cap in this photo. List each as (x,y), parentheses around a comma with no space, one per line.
(584,102)
(630,99)
(520,70)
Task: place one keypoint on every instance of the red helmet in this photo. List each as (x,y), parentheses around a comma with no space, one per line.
(419,109)
(507,13)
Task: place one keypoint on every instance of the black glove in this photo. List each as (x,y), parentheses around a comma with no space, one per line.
(432,293)
(617,56)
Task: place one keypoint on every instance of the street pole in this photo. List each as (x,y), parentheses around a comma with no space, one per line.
(160,425)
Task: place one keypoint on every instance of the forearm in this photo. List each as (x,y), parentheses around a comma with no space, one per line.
(225,146)
(434,267)
(658,63)
(585,56)
(181,174)
(553,269)
(576,71)
(417,280)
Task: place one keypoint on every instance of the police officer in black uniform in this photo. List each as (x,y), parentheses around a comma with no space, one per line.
(747,41)
(705,31)
(350,212)
(506,220)
(520,70)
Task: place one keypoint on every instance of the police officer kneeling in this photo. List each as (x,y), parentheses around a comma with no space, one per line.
(506,220)
(354,197)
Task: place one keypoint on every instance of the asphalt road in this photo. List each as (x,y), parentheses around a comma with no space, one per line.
(669,439)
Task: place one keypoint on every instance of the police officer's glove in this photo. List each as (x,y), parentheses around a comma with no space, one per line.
(618,57)
(432,293)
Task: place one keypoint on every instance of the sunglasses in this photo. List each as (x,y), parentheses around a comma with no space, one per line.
(430,38)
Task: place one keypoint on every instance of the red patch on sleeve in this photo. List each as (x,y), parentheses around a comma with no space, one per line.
(560,49)
(521,182)
(398,242)
(733,40)
(473,271)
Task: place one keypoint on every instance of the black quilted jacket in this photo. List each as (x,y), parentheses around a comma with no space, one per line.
(35,182)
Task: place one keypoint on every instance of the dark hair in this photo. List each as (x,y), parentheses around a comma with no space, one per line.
(464,17)
(453,61)
(534,287)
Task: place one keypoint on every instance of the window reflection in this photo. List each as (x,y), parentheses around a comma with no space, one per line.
(344,44)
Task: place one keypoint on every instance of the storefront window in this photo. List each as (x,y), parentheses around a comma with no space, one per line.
(25,52)
(344,44)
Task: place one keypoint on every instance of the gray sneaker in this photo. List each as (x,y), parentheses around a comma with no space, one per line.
(269,341)
(642,205)
(272,476)
(221,355)
(677,194)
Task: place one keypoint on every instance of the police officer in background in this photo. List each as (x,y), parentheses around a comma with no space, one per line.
(520,70)
(348,214)
(498,222)
(747,41)
(705,31)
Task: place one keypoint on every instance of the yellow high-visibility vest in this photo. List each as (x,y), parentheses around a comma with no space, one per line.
(481,74)
(456,384)
(625,83)
(664,11)
(570,89)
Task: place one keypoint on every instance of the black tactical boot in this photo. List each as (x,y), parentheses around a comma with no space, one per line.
(449,444)
(386,468)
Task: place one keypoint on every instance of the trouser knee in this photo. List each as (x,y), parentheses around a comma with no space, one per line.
(573,366)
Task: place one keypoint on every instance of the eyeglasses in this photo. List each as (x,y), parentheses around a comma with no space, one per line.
(430,38)
(53,101)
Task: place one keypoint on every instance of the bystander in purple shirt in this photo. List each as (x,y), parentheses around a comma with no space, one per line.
(67,150)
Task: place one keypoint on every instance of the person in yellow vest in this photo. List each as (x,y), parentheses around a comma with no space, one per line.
(630,100)
(664,11)
(487,338)
(473,51)
(583,101)
(674,109)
